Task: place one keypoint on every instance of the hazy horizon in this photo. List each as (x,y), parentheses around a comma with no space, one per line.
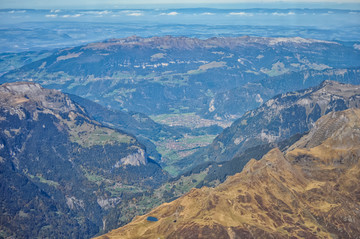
(141,4)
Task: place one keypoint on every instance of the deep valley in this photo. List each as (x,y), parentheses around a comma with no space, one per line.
(181,131)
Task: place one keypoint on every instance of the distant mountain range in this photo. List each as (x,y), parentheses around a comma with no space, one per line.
(44,29)
(162,75)
(310,191)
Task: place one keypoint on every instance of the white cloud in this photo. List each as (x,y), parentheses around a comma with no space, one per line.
(20,11)
(241,14)
(208,13)
(98,13)
(170,14)
(135,14)
(75,15)
(55,11)
(104,12)
(283,14)
(51,15)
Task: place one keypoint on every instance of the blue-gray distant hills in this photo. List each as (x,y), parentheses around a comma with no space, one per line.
(161,75)
(47,29)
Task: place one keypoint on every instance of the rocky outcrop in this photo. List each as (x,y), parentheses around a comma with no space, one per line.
(135,159)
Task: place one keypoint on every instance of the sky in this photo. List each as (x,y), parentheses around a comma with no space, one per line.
(48,4)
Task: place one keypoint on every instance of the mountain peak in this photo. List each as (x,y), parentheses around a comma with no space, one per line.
(331,83)
(335,131)
(31,95)
(273,157)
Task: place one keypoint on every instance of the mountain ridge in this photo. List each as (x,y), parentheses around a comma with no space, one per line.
(128,70)
(190,43)
(274,121)
(306,107)
(280,196)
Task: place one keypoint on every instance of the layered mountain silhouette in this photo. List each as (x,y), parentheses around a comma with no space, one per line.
(80,163)
(309,191)
(161,75)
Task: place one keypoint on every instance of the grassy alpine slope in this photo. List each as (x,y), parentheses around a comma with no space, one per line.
(310,191)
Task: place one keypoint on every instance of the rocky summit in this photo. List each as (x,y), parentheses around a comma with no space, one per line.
(61,172)
(310,191)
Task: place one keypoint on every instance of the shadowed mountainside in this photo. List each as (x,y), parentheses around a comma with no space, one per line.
(62,172)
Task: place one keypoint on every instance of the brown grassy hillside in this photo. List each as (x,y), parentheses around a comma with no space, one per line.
(312,191)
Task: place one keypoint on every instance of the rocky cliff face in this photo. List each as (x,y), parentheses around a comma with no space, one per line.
(232,104)
(31,102)
(282,117)
(56,161)
(311,191)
